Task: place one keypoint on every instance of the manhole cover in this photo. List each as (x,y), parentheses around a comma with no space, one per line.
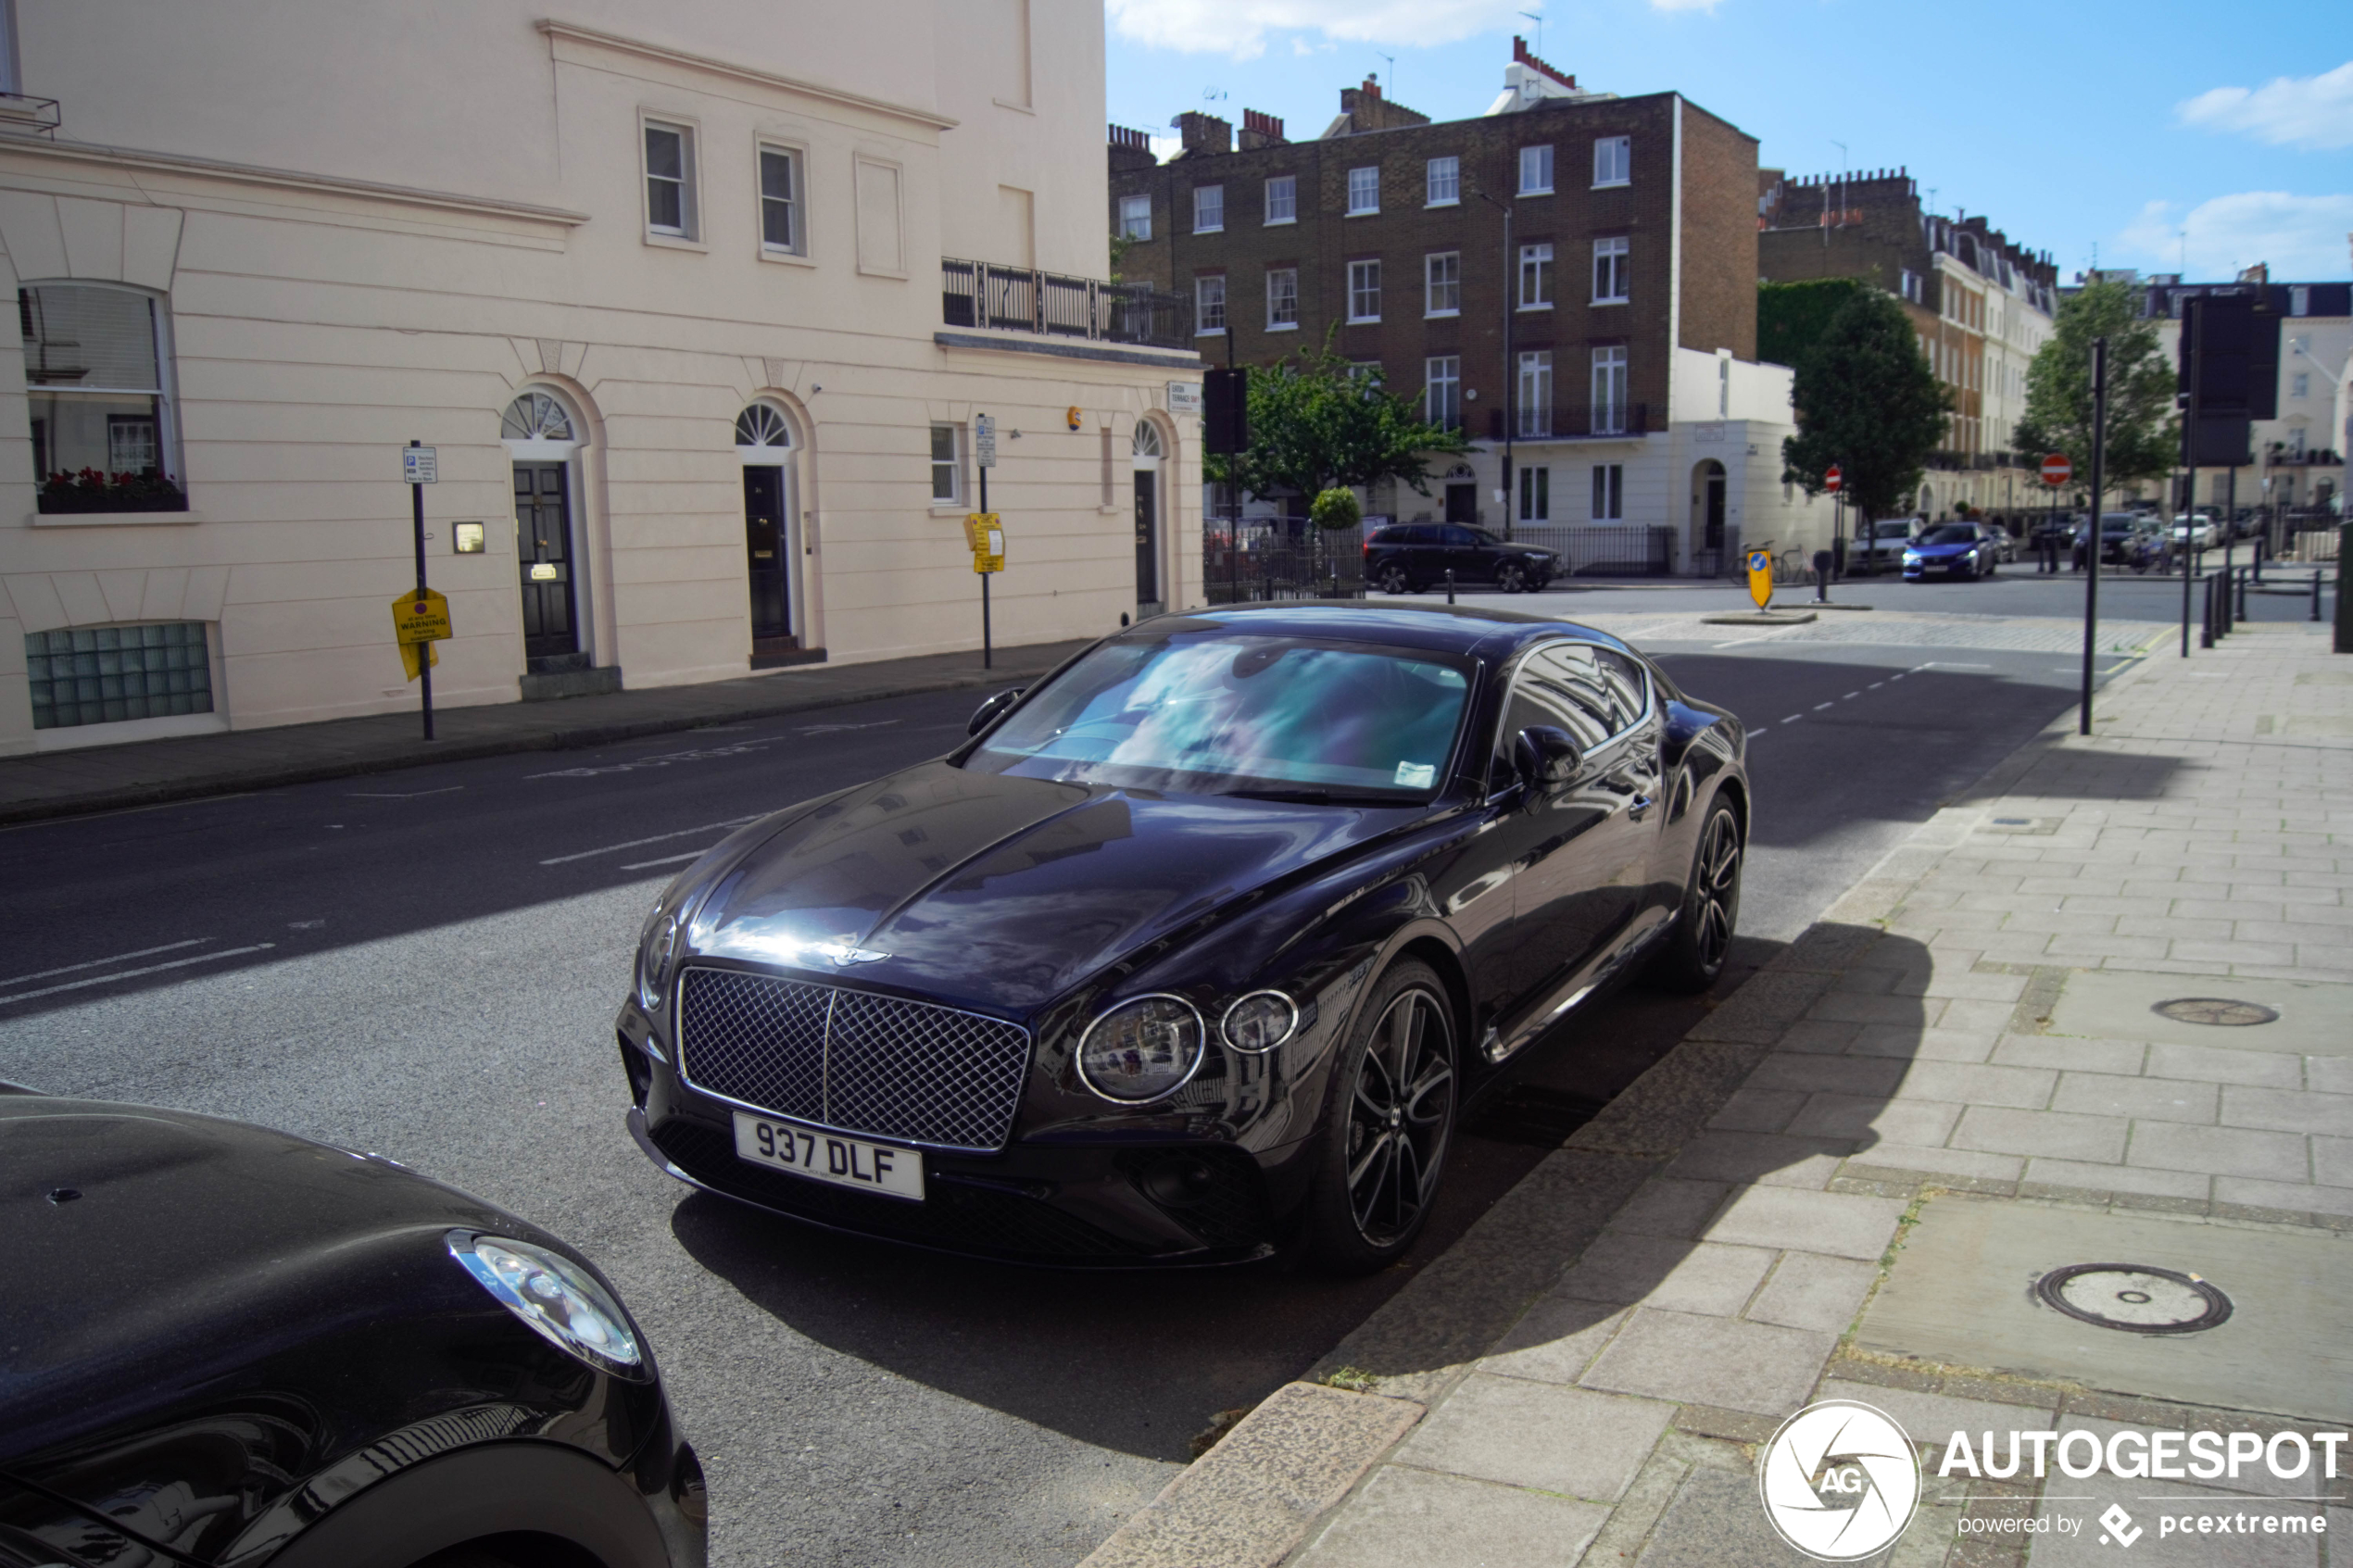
(2134,1297)
(2220,1010)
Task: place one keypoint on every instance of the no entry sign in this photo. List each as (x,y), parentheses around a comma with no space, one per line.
(1832,479)
(2057,469)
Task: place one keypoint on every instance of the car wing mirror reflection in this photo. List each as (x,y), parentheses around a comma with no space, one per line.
(988,712)
(1546,757)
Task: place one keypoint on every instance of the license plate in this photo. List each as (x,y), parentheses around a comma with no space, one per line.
(829,1157)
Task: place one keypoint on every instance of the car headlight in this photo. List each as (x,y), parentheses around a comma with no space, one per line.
(1911,557)
(1260,1021)
(656,948)
(1141,1050)
(558,1298)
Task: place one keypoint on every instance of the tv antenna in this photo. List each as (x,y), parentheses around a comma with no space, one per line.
(1391,89)
(1538,17)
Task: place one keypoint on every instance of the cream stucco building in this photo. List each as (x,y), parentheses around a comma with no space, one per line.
(671,290)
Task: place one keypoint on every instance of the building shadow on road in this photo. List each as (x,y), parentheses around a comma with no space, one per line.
(1140,1363)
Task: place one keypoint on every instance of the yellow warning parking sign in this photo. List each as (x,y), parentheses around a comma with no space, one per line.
(421,615)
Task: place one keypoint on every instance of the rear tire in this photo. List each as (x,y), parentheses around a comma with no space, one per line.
(1394,581)
(1693,958)
(1510,579)
(1390,1128)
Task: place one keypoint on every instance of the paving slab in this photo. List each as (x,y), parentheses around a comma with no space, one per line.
(2118,1005)
(1572,1441)
(1722,1361)
(1960,1293)
(1408,1518)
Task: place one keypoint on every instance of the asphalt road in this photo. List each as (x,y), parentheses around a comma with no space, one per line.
(426,963)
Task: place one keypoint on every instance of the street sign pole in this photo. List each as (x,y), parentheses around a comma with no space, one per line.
(2092,543)
(984,430)
(2189,454)
(417,512)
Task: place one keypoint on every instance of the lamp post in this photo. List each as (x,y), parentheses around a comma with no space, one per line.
(1511,370)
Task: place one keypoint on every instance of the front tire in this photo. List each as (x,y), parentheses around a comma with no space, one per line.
(1510,579)
(1394,581)
(1391,1123)
(1693,958)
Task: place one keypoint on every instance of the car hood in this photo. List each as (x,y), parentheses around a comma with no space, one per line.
(1929,550)
(1000,893)
(148,1248)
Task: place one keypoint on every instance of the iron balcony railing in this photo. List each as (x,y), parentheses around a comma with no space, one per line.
(982,293)
(1563,422)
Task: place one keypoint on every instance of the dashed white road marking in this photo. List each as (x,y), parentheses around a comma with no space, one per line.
(134,973)
(657,838)
(101,963)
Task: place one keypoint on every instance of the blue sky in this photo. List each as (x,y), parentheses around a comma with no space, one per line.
(2140,130)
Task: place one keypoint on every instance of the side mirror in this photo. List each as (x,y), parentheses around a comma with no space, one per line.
(988,712)
(1546,757)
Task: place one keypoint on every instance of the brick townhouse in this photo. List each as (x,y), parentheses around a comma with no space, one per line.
(1628,392)
(1980,305)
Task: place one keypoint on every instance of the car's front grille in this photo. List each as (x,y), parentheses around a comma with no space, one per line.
(852,1059)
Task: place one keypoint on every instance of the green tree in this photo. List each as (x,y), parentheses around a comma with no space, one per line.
(2144,438)
(1792,318)
(1867,401)
(1316,422)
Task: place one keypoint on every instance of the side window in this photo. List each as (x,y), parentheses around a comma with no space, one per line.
(1628,685)
(1460,539)
(1558,684)
(1421,535)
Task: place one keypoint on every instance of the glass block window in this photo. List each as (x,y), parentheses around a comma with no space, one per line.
(105,674)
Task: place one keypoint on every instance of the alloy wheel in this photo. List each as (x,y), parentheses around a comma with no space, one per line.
(1400,1115)
(1393,580)
(1511,580)
(1716,889)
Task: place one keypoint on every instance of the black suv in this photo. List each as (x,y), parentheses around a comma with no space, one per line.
(1409,556)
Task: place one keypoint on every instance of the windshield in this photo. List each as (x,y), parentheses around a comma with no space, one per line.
(1950,533)
(1222,714)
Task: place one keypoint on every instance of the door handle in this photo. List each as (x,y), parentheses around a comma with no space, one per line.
(1639,805)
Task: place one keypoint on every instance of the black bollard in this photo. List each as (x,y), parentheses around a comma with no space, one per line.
(1822,560)
(1450,585)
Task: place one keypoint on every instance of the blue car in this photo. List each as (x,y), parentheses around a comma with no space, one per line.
(1950,549)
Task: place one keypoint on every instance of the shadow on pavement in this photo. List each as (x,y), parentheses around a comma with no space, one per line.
(1142,1361)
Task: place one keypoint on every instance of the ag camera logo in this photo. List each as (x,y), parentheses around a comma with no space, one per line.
(1839,1481)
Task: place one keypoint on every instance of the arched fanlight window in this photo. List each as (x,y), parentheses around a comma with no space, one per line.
(537,417)
(1147,443)
(760,425)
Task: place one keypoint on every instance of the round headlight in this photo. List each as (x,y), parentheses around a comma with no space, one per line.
(655,948)
(1141,1050)
(1260,1021)
(561,1300)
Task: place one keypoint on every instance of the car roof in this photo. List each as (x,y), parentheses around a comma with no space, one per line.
(1462,629)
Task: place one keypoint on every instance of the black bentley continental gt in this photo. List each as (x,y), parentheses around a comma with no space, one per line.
(1198,946)
(221,1345)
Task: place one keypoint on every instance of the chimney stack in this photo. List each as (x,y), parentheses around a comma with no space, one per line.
(1130,149)
(1261,130)
(1203,134)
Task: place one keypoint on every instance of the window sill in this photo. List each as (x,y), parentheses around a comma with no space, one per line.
(1278,223)
(1210,332)
(1449,201)
(111,519)
(1534,309)
(1017,108)
(788,257)
(674,242)
(1440,315)
(1545,192)
(1621,300)
(1363,320)
(946,508)
(1612,184)
(1219,229)
(1362,212)
(1282,326)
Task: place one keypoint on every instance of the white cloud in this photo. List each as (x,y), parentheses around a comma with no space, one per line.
(1239,28)
(2300,236)
(2315,112)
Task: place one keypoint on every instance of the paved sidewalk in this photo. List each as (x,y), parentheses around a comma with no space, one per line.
(110,777)
(1845,1181)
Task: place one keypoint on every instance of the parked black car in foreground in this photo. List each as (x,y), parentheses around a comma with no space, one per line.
(1407,557)
(1198,946)
(223,1344)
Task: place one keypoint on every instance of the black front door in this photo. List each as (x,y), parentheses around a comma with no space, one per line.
(1462,503)
(1147,537)
(543,552)
(1715,511)
(766,562)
